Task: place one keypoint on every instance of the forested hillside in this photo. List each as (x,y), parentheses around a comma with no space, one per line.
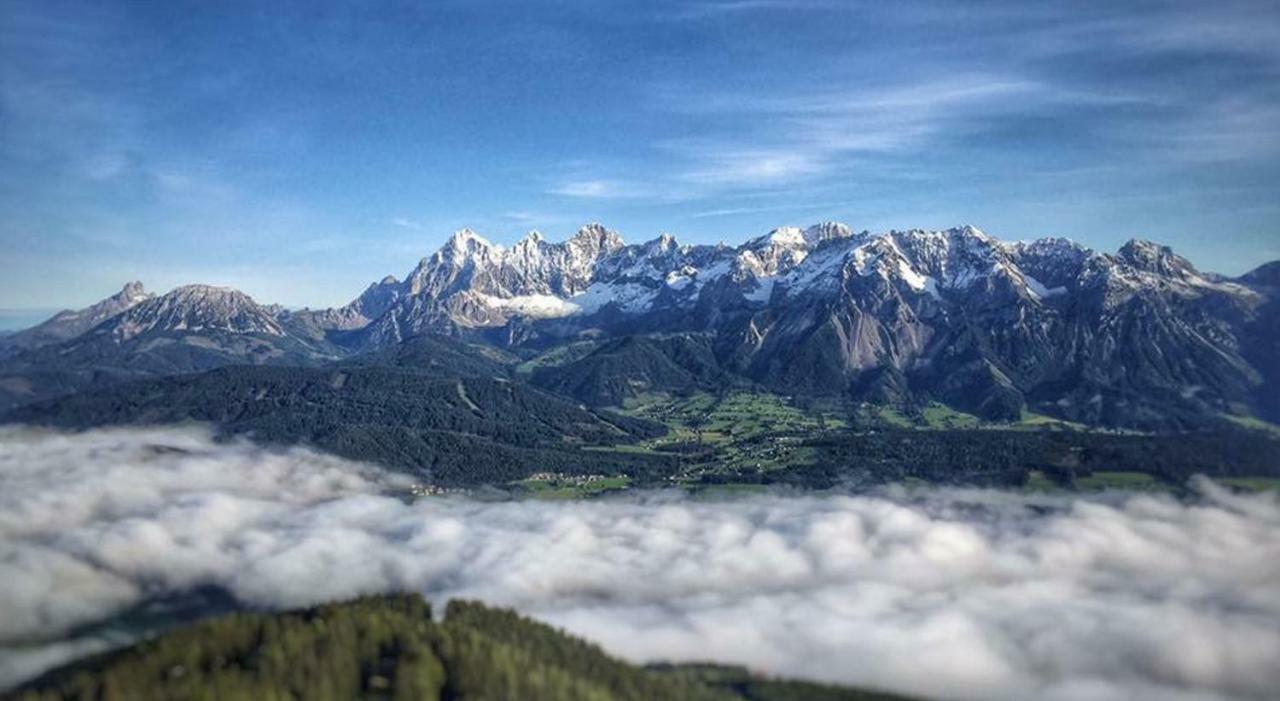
(627,367)
(390,649)
(459,431)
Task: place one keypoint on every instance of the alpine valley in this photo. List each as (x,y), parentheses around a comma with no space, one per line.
(660,361)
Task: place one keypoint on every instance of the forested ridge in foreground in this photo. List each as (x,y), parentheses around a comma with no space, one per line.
(390,648)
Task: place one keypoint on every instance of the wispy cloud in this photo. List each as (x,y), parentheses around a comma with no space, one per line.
(1236,129)
(711,9)
(735,211)
(799,136)
(602,189)
(407,223)
(751,166)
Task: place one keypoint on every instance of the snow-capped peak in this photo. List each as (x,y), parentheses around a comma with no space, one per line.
(826,231)
(595,238)
(468,240)
(474,283)
(665,243)
(791,236)
(970,230)
(1154,258)
(133,292)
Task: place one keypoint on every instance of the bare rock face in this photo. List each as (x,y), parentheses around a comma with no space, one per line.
(996,327)
(194,309)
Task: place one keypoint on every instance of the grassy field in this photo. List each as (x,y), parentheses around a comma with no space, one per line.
(1037,481)
(936,415)
(942,416)
(1255,424)
(740,431)
(571,487)
(1251,484)
(557,356)
(1133,481)
(737,436)
(1032,420)
(1099,481)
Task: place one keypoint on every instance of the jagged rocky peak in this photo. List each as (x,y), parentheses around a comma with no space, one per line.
(782,236)
(665,243)
(466,245)
(1050,247)
(377,298)
(826,231)
(532,241)
(70,323)
(954,258)
(133,291)
(1054,261)
(594,239)
(129,295)
(969,230)
(1154,258)
(784,248)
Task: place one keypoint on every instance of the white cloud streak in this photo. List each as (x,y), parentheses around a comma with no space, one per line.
(821,133)
(950,594)
(602,189)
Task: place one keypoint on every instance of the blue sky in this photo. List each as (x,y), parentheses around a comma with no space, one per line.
(301,150)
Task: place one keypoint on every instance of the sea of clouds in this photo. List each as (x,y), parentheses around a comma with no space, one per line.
(950,594)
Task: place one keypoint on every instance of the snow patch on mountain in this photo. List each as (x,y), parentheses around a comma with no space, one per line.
(533,306)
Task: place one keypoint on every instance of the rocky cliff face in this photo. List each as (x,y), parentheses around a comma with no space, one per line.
(1136,336)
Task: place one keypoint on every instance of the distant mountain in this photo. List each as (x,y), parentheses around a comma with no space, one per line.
(68,324)
(1266,275)
(1138,337)
(391,647)
(189,329)
(331,323)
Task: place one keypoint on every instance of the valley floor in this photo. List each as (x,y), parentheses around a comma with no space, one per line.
(744,440)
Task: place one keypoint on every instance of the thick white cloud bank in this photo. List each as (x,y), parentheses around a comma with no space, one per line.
(950,594)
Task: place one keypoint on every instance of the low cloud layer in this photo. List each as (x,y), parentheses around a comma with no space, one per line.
(950,594)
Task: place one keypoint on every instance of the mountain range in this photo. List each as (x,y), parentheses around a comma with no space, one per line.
(1136,338)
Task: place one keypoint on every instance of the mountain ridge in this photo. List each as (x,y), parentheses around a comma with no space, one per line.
(1138,337)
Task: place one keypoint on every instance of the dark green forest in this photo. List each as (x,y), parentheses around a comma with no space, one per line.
(457,432)
(390,648)
(461,414)
(1005,458)
(626,367)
